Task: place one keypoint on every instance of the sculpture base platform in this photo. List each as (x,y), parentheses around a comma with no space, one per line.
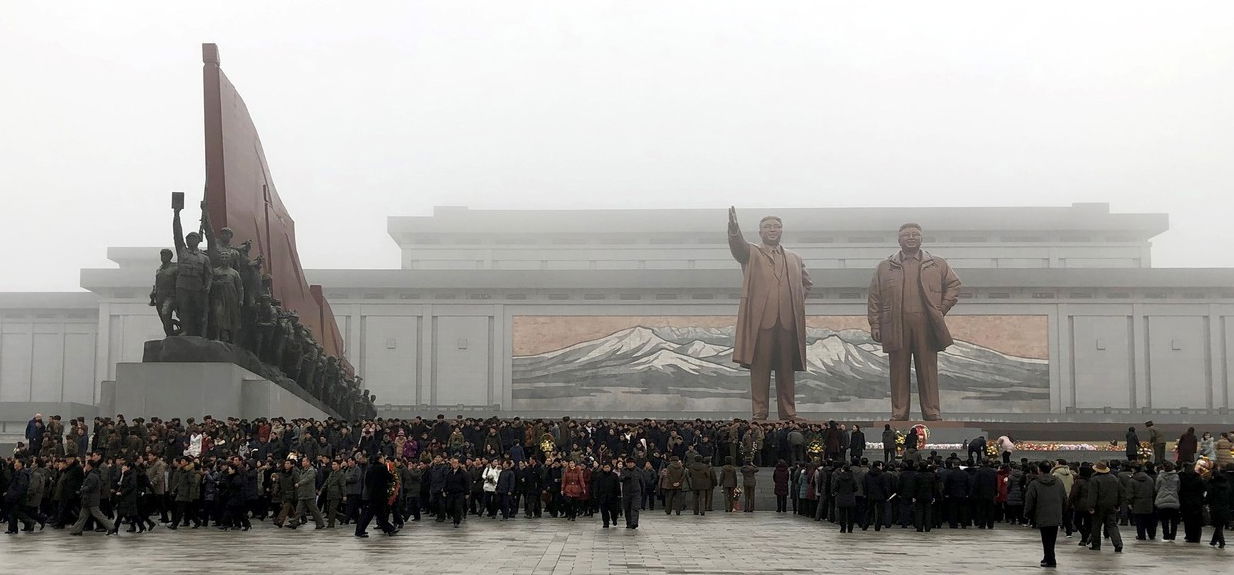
(196,389)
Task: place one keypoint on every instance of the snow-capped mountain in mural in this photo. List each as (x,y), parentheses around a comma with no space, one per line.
(692,362)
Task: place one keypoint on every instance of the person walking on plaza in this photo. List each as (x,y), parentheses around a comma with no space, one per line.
(1220,499)
(1166,501)
(15,498)
(1044,503)
(574,489)
(334,488)
(286,486)
(1105,495)
(455,487)
(671,483)
(377,482)
(91,494)
(306,493)
(607,494)
(631,493)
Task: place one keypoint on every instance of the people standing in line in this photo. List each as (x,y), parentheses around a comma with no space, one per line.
(1140,497)
(780,477)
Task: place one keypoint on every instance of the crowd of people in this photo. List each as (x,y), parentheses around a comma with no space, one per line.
(104,474)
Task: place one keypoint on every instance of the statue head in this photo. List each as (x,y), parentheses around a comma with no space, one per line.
(910,237)
(192,240)
(165,255)
(225,236)
(770,229)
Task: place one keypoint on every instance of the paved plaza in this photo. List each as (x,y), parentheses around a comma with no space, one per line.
(720,543)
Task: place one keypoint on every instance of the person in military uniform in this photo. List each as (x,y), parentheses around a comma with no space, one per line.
(193,278)
(163,294)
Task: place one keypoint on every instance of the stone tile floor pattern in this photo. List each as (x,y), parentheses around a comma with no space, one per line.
(720,543)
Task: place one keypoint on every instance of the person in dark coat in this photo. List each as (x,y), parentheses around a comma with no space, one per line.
(889,444)
(844,492)
(1188,443)
(507,499)
(856,445)
(985,491)
(956,489)
(878,489)
(376,486)
(780,478)
(632,493)
(1133,445)
(15,497)
(926,490)
(1078,501)
(1044,502)
(905,484)
(232,492)
(126,496)
(1140,495)
(455,487)
(1191,502)
(91,494)
(1220,499)
(1105,495)
(607,494)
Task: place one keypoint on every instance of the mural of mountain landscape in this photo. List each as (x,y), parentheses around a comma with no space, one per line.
(689,368)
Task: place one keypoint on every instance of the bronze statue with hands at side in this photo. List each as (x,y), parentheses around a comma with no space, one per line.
(771,326)
(909,296)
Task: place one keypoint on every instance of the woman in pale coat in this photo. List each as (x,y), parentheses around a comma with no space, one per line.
(1208,447)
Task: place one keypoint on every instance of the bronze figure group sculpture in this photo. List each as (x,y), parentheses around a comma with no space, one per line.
(911,293)
(222,295)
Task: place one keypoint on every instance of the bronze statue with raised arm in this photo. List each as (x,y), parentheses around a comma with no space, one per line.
(771,324)
(193,278)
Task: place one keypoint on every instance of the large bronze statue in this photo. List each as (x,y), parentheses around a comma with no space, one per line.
(163,294)
(226,287)
(193,277)
(910,294)
(226,293)
(771,326)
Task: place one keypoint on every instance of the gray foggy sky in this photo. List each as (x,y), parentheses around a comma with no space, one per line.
(370,109)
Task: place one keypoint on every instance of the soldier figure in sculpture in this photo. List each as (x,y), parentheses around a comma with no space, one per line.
(163,294)
(193,278)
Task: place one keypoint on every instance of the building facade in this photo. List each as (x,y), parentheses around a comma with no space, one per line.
(630,312)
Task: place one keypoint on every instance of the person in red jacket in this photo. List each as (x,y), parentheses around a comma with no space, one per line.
(574,489)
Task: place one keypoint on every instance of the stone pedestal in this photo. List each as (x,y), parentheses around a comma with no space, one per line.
(195,389)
